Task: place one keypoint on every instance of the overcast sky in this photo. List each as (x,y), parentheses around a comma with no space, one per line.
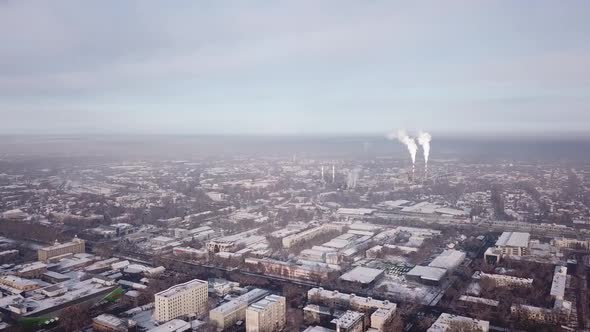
(294,67)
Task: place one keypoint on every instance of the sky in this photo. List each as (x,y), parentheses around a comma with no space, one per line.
(294,67)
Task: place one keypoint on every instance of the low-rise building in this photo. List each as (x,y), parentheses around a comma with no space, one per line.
(448,259)
(536,314)
(76,246)
(32,270)
(505,281)
(426,274)
(351,321)
(513,243)
(231,242)
(446,321)
(559,282)
(362,275)
(160,241)
(382,310)
(18,283)
(380,318)
(289,270)
(110,323)
(308,234)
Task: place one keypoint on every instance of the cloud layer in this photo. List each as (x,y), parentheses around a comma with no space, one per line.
(293,66)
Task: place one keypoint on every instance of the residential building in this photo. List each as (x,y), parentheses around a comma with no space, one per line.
(380,318)
(559,282)
(382,310)
(504,280)
(445,322)
(233,311)
(185,299)
(267,315)
(351,321)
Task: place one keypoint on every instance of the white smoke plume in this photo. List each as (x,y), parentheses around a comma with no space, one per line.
(353,177)
(409,142)
(424,140)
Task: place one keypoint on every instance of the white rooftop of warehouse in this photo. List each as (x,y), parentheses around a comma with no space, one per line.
(395,204)
(361,274)
(513,239)
(450,211)
(422,207)
(427,272)
(449,259)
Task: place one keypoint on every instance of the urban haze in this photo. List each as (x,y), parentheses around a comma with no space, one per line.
(294,166)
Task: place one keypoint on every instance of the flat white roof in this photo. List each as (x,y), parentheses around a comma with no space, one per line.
(173,325)
(427,272)
(18,281)
(336,243)
(444,320)
(358,212)
(181,287)
(361,274)
(513,239)
(559,281)
(348,319)
(317,329)
(242,300)
(163,238)
(264,303)
(448,259)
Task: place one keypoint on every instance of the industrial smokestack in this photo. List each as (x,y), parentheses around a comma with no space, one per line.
(424,140)
(410,144)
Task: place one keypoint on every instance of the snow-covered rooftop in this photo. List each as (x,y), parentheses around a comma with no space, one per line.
(361,274)
(559,281)
(449,259)
(513,239)
(427,272)
(445,320)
